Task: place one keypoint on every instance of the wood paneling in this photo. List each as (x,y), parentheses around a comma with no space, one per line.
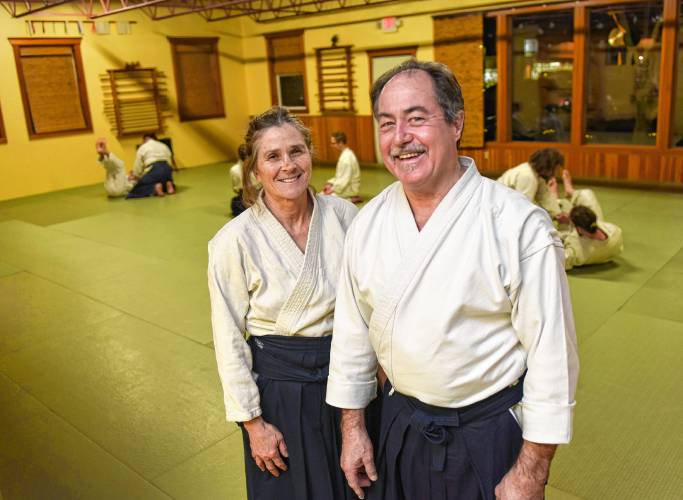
(358,130)
(458,43)
(641,165)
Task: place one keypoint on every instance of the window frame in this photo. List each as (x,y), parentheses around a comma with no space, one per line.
(75,45)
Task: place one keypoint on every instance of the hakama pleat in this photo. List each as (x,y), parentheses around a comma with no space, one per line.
(161,172)
(431,453)
(292,376)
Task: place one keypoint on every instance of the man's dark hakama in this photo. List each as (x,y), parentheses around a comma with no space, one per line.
(161,172)
(432,453)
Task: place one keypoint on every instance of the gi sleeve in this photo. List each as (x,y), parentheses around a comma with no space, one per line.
(542,317)
(547,200)
(139,165)
(229,296)
(352,381)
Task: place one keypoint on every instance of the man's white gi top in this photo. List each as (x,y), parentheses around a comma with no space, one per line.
(150,152)
(116,182)
(523,178)
(459,310)
(346,180)
(582,251)
(262,284)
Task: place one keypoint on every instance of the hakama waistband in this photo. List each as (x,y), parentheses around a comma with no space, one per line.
(293,359)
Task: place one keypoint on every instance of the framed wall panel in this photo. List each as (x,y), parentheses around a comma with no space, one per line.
(287,70)
(53,90)
(197,77)
(3,134)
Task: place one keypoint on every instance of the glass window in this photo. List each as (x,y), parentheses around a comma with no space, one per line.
(542,64)
(678,105)
(490,78)
(623,73)
(290,91)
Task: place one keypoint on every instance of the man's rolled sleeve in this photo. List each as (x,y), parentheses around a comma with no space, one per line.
(352,382)
(542,317)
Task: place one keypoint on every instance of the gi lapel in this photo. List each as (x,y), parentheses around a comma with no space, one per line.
(416,258)
(308,273)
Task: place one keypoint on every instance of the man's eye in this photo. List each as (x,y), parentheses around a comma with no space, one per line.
(386,125)
(416,120)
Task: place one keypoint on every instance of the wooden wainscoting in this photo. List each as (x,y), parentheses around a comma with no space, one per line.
(619,164)
(358,129)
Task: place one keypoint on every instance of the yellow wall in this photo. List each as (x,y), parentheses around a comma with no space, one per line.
(353,27)
(50,164)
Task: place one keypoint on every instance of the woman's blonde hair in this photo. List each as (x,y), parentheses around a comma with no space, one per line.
(275,117)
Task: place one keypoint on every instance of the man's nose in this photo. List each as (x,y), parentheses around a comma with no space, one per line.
(402,134)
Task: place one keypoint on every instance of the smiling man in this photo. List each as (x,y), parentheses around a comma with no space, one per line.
(455,285)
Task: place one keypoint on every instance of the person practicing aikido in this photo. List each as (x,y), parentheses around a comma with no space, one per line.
(574,197)
(592,240)
(456,286)
(152,169)
(237,179)
(531,179)
(117,182)
(273,274)
(346,180)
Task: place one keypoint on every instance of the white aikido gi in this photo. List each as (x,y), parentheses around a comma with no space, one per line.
(116,183)
(346,180)
(151,152)
(582,251)
(261,283)
(523,178)
(236,177)
(459,310)
(585,197)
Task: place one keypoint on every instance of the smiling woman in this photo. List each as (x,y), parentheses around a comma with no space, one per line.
(273,274)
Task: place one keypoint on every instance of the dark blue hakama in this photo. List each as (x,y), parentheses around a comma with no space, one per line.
(292,381)
(161,172)
(432,453)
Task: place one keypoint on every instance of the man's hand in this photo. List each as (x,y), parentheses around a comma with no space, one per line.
(101,147)
(568,184)
(267,446)
(527,478)
(552,185)
(356,457)
(328,189)
(563,218)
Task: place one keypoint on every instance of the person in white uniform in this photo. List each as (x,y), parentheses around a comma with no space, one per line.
(346,180)
(273,274)
(152,169)
(117,182)
(531,179)
(237,179)
(455,286)
(592,240)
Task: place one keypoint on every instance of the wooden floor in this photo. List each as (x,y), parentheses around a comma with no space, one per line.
(108,384)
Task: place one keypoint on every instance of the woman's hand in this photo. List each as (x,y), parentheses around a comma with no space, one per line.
(267,446)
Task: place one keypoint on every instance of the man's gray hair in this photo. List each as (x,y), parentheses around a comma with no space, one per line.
(446,87)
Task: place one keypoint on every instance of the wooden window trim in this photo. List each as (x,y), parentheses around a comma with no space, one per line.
(213,41)
(409,50)
(75,44)
(3,134)
(271,70)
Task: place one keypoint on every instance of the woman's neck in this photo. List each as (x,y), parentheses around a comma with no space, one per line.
(294,215)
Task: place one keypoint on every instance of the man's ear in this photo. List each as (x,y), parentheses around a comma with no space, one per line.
(458,125)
